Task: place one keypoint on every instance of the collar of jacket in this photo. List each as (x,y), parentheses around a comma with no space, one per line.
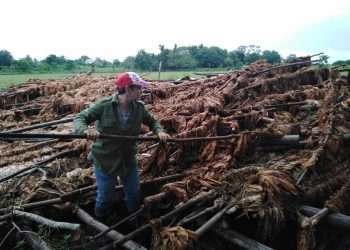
(115,98)
(116,102)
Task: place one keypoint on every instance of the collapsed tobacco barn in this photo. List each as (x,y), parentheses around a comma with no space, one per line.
(259,160)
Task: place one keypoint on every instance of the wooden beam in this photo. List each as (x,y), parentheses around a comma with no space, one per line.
(114,235)
(337,220)
(239,239)
(41,125)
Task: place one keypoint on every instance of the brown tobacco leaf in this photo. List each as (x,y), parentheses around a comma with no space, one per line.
(178,189)
(155,162)
(267,195)
(208,152)
(243,144)
(173,238)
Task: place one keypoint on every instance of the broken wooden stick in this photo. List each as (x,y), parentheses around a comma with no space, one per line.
(314,219)
(6,236)
(240,240)
(212,221)
(193,217)
(41,125)
(284,140)
(47,222)
(337,220)
(33,239)
(154,198)
(288,104)
(40,164)
(29,148)
(114,235)
(131,216)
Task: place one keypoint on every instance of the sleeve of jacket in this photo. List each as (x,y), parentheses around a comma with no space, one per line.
(150,121)
(87,116)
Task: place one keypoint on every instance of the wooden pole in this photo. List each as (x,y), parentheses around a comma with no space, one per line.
(154,198)
(159,69)
(240,240)
(213,220)
(33,239)
(286,139)
(208,210)
(40,164)
(140,210)
(114,235)
(115,137)
(30,148)
(283,105)
(41,125)
(278,141)
(314,219)
(6,236)
(47,222)
(285,65)
(337,220)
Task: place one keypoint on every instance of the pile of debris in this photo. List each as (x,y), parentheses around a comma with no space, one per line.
(267,161)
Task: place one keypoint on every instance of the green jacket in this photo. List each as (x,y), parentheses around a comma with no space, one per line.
(112,156)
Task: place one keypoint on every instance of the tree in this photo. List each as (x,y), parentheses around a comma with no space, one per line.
(248,54)
(217,56)
(291,58)
(54,60)
(324,59)
(116,63)
(145,61)
(129,63)
(101,63)
(241,53)
(98,62)
(253,49)
(70,65)
(339,63)
(209,57)
(26,64)
(271,56)
(252,57)
(44,67)
(180,58)
(6,58)
(83,60)
(232,60)
(164,56)
(22,65)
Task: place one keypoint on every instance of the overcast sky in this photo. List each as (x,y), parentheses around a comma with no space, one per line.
(115,29)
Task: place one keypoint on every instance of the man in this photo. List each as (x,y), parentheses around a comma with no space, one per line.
(120,114)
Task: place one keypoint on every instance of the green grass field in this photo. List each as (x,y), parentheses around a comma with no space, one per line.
(15,79)
(11,80)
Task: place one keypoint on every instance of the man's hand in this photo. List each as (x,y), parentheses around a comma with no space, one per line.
(92,134)
(163,137)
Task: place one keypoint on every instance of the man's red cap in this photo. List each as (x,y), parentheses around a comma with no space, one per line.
(129,78)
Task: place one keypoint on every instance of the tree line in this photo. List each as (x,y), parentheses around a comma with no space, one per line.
(176,58)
